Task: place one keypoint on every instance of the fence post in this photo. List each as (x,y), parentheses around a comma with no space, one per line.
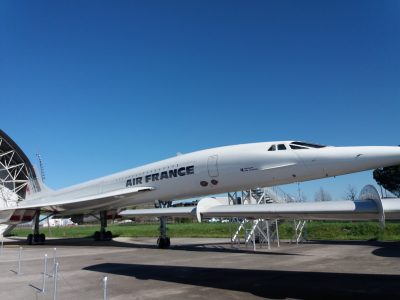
(44,274)
(105,288)
(19,261)
(55,274)
(54,260)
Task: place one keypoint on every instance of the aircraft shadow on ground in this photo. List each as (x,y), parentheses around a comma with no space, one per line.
(201,247)
(265,283)
(386,249)
(70,242)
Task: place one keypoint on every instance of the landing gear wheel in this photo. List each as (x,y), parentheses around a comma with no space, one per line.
(36,238)
(29,239)
(108,236)
(42,238)
(163,242)
(160,243)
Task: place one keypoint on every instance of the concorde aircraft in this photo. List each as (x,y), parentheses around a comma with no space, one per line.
(197,174)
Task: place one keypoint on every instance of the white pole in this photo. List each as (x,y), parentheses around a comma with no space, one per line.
(44,274)
(54,255)
(19,261)
(54,259)
(268,235)
(105,288)
(277,232)
(55,274)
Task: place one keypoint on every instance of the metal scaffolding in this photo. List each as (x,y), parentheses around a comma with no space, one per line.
(261,232)
(13,177)
(17,175)
(300,231)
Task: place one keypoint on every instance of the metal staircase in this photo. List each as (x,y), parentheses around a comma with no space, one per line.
(261,231)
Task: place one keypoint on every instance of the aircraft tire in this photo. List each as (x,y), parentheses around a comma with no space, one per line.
(42,238)
(36,238)
(29,239)
(160,243)
(163,243)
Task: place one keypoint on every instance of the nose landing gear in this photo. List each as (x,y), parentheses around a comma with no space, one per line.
(163,241)
(103,235)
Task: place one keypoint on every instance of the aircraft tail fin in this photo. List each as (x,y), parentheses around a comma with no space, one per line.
(43,187)
(36,185)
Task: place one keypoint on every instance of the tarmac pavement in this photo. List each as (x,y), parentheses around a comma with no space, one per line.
(202,269)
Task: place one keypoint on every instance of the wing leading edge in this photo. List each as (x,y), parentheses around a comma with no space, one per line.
(107,199)
(333,210)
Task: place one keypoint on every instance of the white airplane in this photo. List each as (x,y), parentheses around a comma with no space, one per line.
(197,174)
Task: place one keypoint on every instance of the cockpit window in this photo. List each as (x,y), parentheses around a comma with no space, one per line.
(281,147)
(295,147)
(307,145)
(272,148)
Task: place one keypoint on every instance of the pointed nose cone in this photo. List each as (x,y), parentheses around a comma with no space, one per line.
(344,160)
(380,156)
(367,158)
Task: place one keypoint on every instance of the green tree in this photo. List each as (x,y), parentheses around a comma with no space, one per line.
(389,178)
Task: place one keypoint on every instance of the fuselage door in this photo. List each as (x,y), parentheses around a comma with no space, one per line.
(212,165)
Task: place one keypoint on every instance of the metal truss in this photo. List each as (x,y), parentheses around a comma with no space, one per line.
(263,232)
(300,231)
(14,176)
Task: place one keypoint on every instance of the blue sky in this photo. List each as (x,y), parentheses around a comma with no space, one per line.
(102,86)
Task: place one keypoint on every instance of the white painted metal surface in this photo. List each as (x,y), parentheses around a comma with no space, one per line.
(371,207)
(214,171)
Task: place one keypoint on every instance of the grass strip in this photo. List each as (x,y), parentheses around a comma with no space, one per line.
(316,230)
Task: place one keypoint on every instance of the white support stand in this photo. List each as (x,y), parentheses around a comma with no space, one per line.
(300,232)
(259,231)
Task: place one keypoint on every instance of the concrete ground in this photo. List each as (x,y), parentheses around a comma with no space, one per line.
(203,269)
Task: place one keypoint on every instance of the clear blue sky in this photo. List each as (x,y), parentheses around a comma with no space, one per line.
(102,86)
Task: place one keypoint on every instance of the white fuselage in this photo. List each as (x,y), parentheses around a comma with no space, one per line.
(225,169)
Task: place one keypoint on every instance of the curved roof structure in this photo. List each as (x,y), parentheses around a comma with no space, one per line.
(15,168)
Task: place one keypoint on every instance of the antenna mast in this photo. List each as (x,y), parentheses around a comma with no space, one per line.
(41,166)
